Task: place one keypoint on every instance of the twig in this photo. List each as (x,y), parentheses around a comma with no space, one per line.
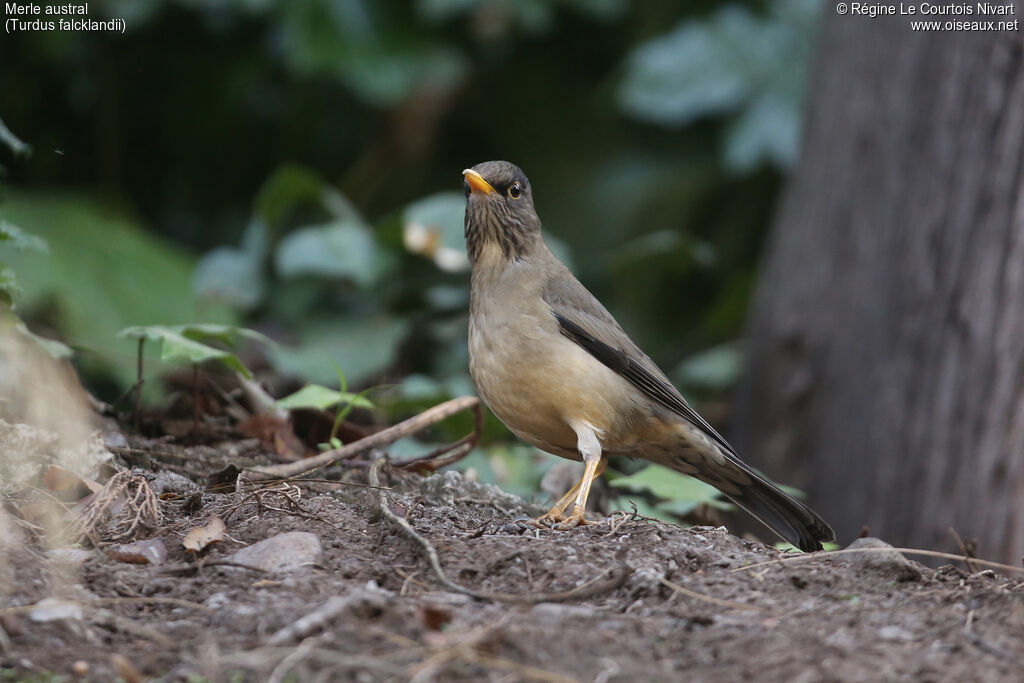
(706,598)
(391,434)
(296,656)
(908,551)
(431,462)
(323,615)
(616,574)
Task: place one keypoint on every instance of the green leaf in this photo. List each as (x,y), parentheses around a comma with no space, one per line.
(234,276)
(363,346)
(104,272)
(341,249)
(179,344)
(716,369)
(229,334)
(381,60)
(734,62)
(292,186)
(679,493)
(319,397)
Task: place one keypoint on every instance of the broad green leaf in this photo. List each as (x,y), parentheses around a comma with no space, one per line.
(235,276)
(319,397)
(341,249)
(679,493)
(516,468)
(229,334)
(381,60)
(363,346)
(734,62)
(717,368)
(176,347)
(103,273)
(292,186)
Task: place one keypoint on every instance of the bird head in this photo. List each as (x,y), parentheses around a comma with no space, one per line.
(499,210)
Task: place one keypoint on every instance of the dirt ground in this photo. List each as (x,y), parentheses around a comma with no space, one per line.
(354,597)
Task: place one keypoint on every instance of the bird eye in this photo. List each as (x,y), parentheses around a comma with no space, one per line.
(515,190)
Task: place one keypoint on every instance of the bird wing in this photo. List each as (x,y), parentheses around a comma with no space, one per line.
(583,319)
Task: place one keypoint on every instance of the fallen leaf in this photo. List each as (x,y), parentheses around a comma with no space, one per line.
(434,617)
(199,538)
(151,551)
(68,485)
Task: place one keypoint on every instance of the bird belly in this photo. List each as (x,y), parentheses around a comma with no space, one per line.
(537,382)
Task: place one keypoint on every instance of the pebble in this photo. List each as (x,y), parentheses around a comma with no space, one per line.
(282,553)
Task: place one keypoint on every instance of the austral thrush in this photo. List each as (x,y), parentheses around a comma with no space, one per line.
(555,367)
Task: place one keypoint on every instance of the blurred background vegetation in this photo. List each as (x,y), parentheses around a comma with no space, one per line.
(294,167)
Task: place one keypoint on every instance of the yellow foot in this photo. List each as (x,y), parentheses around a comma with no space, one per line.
(557,519)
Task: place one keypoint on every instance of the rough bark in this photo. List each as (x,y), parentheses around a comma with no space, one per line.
(886,344)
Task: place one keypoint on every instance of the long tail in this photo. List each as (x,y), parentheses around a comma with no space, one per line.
(780,512)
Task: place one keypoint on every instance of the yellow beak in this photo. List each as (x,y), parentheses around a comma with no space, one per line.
(477,182)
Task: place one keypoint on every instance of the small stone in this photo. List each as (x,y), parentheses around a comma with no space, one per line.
(890,563)
(52,609)
(895,633)
(69,556)
(216,601)
(554,612)
(282,553)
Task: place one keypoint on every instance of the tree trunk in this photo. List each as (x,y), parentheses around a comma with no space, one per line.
(885,373)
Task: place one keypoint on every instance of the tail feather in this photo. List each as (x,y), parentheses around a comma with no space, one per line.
(789,518)
(783,514)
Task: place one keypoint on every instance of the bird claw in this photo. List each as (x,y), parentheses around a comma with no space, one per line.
(560,521)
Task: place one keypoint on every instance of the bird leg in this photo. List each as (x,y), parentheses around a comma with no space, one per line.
(595,462)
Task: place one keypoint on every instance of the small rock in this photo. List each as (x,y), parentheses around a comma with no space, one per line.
(282,553)
(644,581)
(890,563)
(555,612)
(69,556)
(114,439)
(150,551)
(52,609)
(896,633)
(216,601)
(172,482)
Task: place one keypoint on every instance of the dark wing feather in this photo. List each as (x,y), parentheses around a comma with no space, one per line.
(639,376)
(583,319)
